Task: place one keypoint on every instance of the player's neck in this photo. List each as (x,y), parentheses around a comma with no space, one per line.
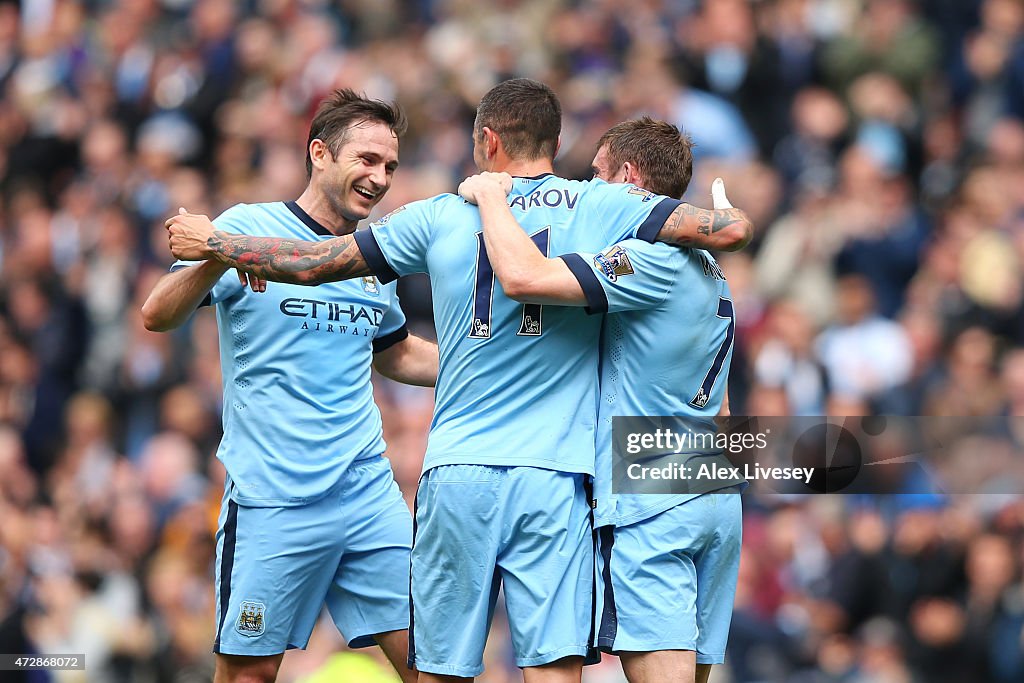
(525,169)
(319,209)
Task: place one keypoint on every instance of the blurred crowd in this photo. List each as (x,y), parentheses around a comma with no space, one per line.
(877,144)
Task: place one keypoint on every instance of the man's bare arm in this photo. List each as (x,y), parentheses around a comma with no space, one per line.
(294,261)
(525,274)
(725,411)
(176,295)
(411,361)
(727,229)
(724,228)
(193,237)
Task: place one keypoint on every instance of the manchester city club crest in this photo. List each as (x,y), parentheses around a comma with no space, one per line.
(252,618)
(614,263)
(370,285)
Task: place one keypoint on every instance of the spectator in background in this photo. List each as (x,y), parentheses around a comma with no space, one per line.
(989,70)
(969,385)
(786,360)
(725,57)
(796,258)
(890,37)
(51,322)
(807,156)
(863,353)
(883,231)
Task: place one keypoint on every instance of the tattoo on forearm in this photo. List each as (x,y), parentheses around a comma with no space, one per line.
(688,221)
(721,219)
(704,221)
(285,260)
(671,228)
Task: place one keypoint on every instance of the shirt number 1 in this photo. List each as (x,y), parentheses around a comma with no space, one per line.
(531,322)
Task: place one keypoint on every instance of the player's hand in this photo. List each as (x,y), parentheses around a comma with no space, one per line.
(188,235)
(718,198)
(251,281)
(474,187)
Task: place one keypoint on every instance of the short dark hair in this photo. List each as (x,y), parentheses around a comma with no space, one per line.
(526,115)
(662,153)
(344,108)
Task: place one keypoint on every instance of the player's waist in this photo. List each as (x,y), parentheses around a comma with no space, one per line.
(249,449)
(578,465)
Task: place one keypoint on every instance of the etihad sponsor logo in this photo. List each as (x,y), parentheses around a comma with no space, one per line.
(331,311)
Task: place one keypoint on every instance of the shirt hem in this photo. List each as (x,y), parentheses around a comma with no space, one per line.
(275,502)
(429,464)
(654,510)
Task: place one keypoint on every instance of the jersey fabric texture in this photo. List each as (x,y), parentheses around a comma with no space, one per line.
(666,349)
(517,383)
(298,403)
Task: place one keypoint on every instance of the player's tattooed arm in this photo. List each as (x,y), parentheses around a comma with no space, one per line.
(724,228)
(294,261)
(193,237)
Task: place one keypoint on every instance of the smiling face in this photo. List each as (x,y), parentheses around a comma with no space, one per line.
(354,179)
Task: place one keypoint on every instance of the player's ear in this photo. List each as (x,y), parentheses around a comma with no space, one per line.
(318,153)
(630,174)
(491,142)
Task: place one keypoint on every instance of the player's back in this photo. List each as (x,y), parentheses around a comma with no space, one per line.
(671,359)
(518,383)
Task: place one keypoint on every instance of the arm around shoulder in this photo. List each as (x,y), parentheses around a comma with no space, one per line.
(717,229)
(526,275)
(724,228)
(193,237)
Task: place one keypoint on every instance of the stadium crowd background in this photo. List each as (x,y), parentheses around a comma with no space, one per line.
(878,145)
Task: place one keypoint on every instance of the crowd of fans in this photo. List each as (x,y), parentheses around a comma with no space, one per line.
(877,144)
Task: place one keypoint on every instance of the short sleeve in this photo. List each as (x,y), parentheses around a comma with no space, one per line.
(392,328)
(397,244)
(627,211)
(235,220)
(627,276)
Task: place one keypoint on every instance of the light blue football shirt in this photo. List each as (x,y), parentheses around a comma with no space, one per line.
(517,383)
(295,363)
(666,349)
